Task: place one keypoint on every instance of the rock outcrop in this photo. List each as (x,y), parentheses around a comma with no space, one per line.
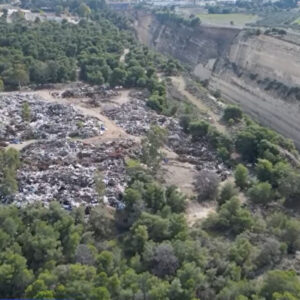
(259,72)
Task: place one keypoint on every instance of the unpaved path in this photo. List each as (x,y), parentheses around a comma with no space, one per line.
(180,85)
(22,145)
(123,56)
(240,195)
(270,111)
(199,211)
(112,130)
(174,172)
(178,173)
(122,98)
(182,175)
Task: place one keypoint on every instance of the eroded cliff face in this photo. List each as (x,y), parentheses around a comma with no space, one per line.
(261,73)
(198,48)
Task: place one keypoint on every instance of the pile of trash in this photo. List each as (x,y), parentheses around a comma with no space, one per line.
(135,117)
(87,91)
(67,171)
(44,120)
(198,153)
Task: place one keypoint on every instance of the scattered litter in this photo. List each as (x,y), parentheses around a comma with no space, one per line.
(65,170)
(57,167)
(47,120)
(136,119)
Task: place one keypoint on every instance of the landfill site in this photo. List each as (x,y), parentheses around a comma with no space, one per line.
(80,134)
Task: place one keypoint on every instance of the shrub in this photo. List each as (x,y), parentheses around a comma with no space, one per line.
(233,112)
(207,185)
(227,192)
(261,193)
(199,129)
(241,176)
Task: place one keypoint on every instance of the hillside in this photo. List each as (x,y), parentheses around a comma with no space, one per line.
(249,69)
(124,178)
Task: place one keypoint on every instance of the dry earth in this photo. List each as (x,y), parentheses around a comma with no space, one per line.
(174,172)
(180,85)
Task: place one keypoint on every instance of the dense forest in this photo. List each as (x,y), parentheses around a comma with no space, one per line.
(146,250)
(50,52)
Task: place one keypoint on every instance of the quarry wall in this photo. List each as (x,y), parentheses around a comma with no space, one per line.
(259,72)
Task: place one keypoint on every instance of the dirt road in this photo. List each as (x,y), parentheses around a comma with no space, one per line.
(22,145)
(179,174)
(199,211)
(180,85)
(173,171)
(112,130)
(123,56)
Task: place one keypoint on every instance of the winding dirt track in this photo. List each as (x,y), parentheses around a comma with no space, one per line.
(112,130)
(174,172)
(180,85)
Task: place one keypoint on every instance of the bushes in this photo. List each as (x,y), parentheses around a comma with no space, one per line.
(241,176)
(261,193)
(184,122)
(246,145)
(202,130)
(157,102)
(1,85)
(198,129)
(118,77)
(277,282)
(207,185)
(9,163)
(230,217)
(264,170)
(227,192)
(251,142)
(168,16)
(233,112)
(289,186)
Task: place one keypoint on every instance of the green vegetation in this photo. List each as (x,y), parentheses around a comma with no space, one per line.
(236,19)
(169,16)
(233,114)
(9,163)
(49,52)
(258,5)
(261,193)
(241,176)
(26,115)
(151,144)
(274,18)
(145,250)
(297,21)
(228,191)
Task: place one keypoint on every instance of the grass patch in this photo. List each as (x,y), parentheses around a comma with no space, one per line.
(226,19)
(297,21)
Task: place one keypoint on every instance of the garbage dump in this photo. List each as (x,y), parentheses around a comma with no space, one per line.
(44,120)
(66,170)
(136,119)
(84,90)
(56,167)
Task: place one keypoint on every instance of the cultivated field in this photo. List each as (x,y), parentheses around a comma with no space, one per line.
(227,19)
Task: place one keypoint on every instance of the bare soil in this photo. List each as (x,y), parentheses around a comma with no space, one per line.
(198,211)
(112,130)
(180,174)
(180,85)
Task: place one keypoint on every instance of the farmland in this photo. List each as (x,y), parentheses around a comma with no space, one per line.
(227,19)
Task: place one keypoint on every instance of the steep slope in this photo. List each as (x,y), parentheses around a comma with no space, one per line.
(257,71)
